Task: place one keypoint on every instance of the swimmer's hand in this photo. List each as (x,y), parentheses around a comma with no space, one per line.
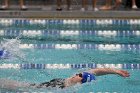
(123,73)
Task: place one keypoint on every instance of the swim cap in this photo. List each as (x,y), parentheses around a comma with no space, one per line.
(87,77)
(1,53)
(4,54)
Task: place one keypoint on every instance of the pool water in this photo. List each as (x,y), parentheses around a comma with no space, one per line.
(71,46)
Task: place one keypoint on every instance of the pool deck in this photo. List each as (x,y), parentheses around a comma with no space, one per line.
(52,13)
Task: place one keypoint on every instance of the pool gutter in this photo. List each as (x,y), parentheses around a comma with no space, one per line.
(70,14)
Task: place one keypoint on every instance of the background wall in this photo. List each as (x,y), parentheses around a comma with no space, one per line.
(74,2)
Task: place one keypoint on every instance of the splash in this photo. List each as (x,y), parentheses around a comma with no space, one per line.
(11,48)
(72,89)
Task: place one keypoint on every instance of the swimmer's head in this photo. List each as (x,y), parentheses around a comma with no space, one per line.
(77,78)
(4,54)
(80,75)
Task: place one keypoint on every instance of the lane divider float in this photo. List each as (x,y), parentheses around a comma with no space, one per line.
(68,66)
(62,33)
(23,21)
(82,46)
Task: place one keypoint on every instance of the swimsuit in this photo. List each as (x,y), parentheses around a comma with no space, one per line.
(58,82)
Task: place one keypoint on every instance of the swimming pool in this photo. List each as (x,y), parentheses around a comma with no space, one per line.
(49,48)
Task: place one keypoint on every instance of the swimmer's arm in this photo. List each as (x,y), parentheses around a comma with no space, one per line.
(105,71)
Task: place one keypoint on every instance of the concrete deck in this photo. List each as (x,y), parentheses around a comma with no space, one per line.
(50,12)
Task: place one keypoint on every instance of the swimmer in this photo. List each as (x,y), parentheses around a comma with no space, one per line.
(81,78)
